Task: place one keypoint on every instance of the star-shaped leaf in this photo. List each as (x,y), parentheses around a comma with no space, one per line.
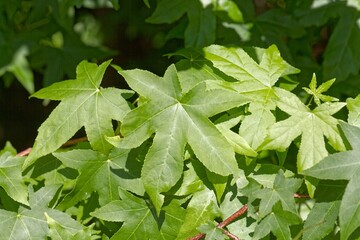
(83,103)
(316,92)
(283,191)
(278,223)
(344,165)
(97,174)
(31,223)
(312,125)
(256,81)
(138,219)
(177,118)
(11,177)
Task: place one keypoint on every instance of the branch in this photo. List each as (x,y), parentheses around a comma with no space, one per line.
(223,224)
(69,143)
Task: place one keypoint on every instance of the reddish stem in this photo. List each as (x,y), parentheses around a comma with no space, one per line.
(298,195)
(223,224)
(24,153)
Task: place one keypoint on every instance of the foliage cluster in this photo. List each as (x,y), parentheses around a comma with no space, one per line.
(223,145)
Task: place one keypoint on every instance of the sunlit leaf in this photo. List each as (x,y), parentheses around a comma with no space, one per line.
(83,103)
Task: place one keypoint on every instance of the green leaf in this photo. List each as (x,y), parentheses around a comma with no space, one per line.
(84,103)
(256,82)
(201,209)
(97,173)
(317,92)
(187,122)
(201,28)
(11,177)
(139,222)
(321,220)
(312,125)
(344,165)
(239,144)
(30,223)
(278,222)
(19,66)
(283,191)
(353,105)
(212,232)
(66,228)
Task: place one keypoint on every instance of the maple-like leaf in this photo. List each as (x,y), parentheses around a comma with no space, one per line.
(31,223)
(138,219)
(283,190)
(277,222)
(317,92)
(83,103)
(256,81)
(11,177)
(97,174)
(344,165)
(312,125)
(177,118)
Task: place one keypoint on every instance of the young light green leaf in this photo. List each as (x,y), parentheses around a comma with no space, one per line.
(353,106)
(97,173)
(187,115)
(344,165)
(283,191)
(202,208)
(139,222)
(256,81)
(11,177)
(277,222)
(316,92)
(83,103)
(312,125)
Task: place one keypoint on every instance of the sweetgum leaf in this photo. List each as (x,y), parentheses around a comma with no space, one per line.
(312,125)
(255,81)
(187,121)
(30,223)
(344,165)
(278,222)
(139,223)
(83,103)
(97,173)
(11,177)
(321,220)
(317,91)
(283,191)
